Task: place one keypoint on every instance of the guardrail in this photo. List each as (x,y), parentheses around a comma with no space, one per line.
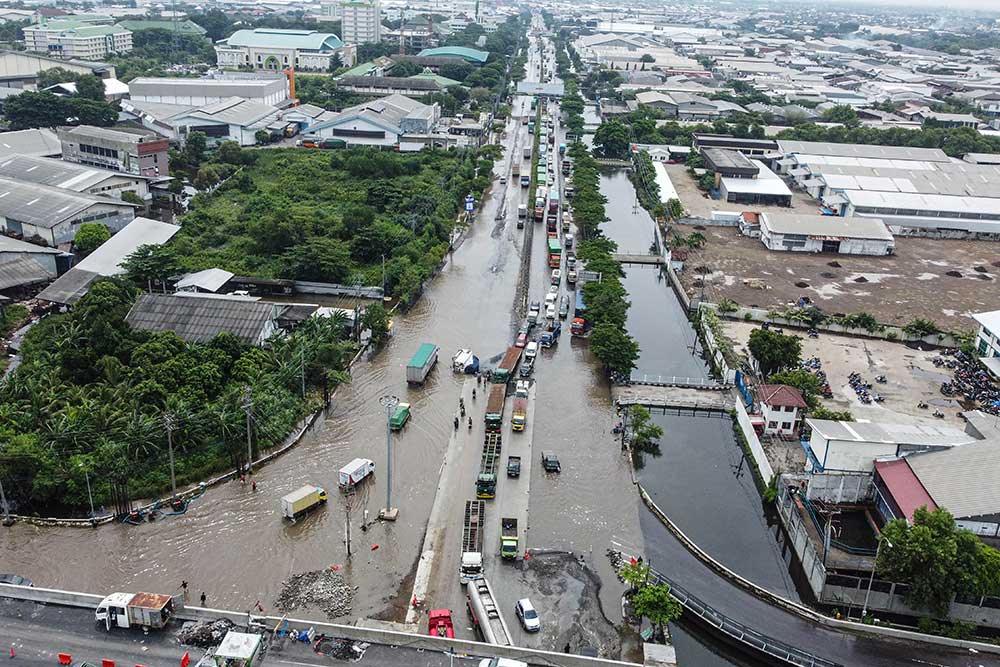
(676,381)
(741,633)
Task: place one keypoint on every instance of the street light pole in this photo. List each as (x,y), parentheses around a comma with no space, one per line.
(90,496)
(168,423)
(878,549)
(6,509)
(389,402)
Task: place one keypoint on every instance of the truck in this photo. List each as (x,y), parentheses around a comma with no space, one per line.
(515,169)
(513,466)
(494,408)
(508,538)
(399,417)
(562,149)
(421,363)
(581,308)
(485,613)
(302,500)
(554,202)
(505,371)
(355,472)
(519,413)
(439,623)
(539,213)
(551,336)
(555,252)
(132,610)
(525,180)
(472,538)
(527,152)
(486,481)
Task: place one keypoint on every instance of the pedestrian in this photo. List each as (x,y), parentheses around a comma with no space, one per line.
(184,586)
(253,485)
(566,648)
(203,598)
(12,653)
(243,479)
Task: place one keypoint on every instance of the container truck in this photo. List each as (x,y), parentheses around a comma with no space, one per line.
(486,481)
(485,613)
(508,538)
(472,538)
(421,363)
(301,501)
(554,202)
(505,371)
(515,169)
(494,408)
(131,610)
(355,472)
(527,152)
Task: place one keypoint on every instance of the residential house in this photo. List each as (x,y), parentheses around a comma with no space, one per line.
(781,407)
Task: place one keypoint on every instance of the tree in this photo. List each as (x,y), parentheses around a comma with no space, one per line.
(90,87)
(130,197)
(842,113)
(376,320)
(774,351)
(262,137)
(645,434)
(807,383)
(655,603)
(612,139)
(90,236)
(615,348)
(405,68)
(230,153)
(318,258)
(647,58)
(675,209)
(151,263)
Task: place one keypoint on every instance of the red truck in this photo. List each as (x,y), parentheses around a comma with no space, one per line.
(439,624)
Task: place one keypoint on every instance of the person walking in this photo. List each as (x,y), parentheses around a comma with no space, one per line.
(203,598)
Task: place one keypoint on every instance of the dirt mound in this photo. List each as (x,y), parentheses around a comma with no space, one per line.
(205,634)
(802,284)
(828,275)
(983,276)
(321,589)
(980,269)
(953,274)
(860,279)
(835,264)
(702,269)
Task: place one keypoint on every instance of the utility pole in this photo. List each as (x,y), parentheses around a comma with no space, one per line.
(90,495)
(302,365)
(390,402)
(7,521)
(248,408)
(383,277)
(168,423)
(347,523)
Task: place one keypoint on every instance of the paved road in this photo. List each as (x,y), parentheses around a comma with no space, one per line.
(40,632)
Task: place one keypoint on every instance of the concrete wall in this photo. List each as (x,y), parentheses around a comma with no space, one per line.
(841,487)
(375,636)
(885,598)
(759,457)
(809,557)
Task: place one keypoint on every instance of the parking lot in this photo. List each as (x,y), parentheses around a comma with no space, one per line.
(911,376)
(699,205)
(937,280)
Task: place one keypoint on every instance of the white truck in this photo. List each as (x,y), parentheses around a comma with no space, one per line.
(130,610)
(472,539)
(421,364)
(355,472)
(301,501)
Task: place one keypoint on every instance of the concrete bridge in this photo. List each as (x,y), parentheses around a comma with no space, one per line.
(656,260)
(705,398)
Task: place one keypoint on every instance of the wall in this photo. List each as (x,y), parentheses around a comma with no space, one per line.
(839,487)
(759,457)
(854,456)
(809,557)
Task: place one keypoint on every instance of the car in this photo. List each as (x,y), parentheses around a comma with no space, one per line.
(522,340)
(556,277)
(554,289)
(550,462)
(550,312)
(525,328)
(525,611)
(535,305)
(15,580)
(564,307)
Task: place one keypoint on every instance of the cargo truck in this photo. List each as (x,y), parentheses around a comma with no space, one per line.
(519,414)
(485,613)
(355,472)
(505,371)
(525,180)
(486,481)
(301,501)
(472,538)
(131,610)
(494,408)
(527,152)
(515,169)
(508,538)
(421,363)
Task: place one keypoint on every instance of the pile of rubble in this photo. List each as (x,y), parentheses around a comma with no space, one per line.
(321,589)
(205,634)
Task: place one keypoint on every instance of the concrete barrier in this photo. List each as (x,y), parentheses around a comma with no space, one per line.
(371,635)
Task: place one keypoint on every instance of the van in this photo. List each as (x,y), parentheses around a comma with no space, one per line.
(569,240)
(531,351)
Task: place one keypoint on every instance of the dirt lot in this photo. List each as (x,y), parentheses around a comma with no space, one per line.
(700,206)
(941,281)
(911,377)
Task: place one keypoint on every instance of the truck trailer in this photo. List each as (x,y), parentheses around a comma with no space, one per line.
(485,613)
(421,363)
(472,538)
(505,371)
(354,472)
(494,408)
(486,481)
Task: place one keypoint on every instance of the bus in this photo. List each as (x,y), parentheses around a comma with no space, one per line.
(555,253)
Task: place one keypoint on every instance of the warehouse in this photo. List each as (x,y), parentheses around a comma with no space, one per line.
(72,176)
(233,119)
(825,233)
(260,88)
(381,122)
(927,215)
(728,162)
(766,188)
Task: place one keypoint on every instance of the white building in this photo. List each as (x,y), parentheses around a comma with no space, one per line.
(781,408)
(75,39)
(988,339)
(361,21)
(259,88)
(272,49)
(825,233)
(381,122)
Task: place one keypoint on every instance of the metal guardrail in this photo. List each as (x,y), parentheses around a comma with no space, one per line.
(675,381)
(741,633)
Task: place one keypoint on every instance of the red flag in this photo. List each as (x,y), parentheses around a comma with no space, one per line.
(186,659)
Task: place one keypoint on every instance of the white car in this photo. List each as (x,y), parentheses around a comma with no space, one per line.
(556,277)
(529,617)
(550,312)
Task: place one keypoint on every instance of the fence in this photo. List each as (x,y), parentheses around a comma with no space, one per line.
(841,487)
(712,347)
(812,562)
(675,381)
(756,449)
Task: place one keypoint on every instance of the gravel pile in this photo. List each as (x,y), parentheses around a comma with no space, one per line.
(342,649)
(321,589)
(205,634)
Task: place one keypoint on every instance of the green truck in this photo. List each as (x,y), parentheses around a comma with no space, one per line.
(494,408)
(400,416)
(505,371)
(486,481)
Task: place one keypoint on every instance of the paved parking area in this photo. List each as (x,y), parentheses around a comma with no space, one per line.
(700,205)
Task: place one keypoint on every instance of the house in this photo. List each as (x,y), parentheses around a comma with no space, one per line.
(380,122)
(273,49)
(71,176)
(130,152)
(77,39)
(781,408)
(199,318)
(825,233)
(107,259)
(854,446)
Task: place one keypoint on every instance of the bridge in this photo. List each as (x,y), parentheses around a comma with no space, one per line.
(656,260)
(696,398)
(610,162)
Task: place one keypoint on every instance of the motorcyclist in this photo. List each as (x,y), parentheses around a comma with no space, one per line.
(470,423)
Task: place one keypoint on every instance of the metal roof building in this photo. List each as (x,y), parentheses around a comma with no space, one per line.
(260,88)
(70,176)
(766,188)
(825,233)
(788,147)
(198,318)
(40,142)
(473,56)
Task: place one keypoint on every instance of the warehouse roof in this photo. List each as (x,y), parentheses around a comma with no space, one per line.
(22,271)
(962,207)
(962,479)
(863,150)
(728,160)
(234,111)
(8,244)
(198,319)
(306,40)
(106,260)
(766,183)
(915,433)
(56,173)
(45,206)
(826,225)
(87,131)
(40,142)
(210,280)
(904,487)
(223,86)
(463,52)
(184,26)
(397,82)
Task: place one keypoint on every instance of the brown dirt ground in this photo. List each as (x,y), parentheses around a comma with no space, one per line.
(918,281)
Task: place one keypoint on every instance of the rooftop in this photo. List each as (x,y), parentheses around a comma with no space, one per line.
(728,159)
(989,320)
(962,479)
(780,395)
(88,131)
(862,150)
(53,172)
(183,26)
(30,142)
(463,52)
(826,225)
(305,40)
(904,486)
(43,205)
(925,434)
(22,271)
(766,183)
(198,319)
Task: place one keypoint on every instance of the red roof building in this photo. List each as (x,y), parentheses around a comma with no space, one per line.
(899,491)
(781,407)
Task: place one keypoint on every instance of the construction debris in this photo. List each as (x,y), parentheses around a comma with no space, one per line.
(321,589)
(205,634)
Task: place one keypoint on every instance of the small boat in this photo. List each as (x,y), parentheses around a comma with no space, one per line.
(465,362)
